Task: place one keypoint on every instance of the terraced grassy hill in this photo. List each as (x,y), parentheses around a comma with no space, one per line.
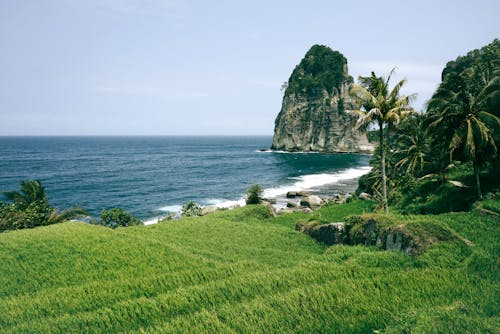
(242,271)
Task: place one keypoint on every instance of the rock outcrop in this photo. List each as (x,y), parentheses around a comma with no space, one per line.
(313,114)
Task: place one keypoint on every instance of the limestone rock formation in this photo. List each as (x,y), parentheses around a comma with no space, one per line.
(313,114)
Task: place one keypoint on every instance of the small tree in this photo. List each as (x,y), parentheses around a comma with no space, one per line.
(191,209)
(29,208)
(116,217)
(254,194)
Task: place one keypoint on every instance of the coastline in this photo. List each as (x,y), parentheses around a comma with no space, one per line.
(323,185)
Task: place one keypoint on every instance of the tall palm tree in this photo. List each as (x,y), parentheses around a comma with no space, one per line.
(460,108)
(382,107)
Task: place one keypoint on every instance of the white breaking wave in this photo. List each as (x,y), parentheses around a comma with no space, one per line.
(311,181)
(303,182)
(224,203)
(171,208)
(152,221)
(286,152)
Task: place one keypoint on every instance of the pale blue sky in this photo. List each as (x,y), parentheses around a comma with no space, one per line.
(171,67)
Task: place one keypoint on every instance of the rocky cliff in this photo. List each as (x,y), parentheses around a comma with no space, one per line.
(312,116)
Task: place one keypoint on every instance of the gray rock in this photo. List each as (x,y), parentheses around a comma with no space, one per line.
(329,234)
(394,241)
(291,205)
(318,121)
(269,200)
(365,197)
(311,201)
(208,209)
(303,193)
(287,210)
(291,194)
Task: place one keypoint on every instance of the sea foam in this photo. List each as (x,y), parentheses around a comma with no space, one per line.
(312,181)
(303,182)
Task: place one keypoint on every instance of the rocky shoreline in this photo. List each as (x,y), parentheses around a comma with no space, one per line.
(302,200)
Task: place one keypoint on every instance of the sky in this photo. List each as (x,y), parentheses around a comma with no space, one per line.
(180,67)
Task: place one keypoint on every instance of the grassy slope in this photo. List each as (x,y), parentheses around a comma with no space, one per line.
(240,271)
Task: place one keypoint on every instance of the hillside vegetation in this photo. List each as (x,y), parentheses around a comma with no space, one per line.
(242,271)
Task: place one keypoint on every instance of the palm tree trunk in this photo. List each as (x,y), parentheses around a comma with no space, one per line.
(476,173)
(382,169)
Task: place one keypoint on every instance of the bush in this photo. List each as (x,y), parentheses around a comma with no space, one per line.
(116,217)
(191,209)
(254,194)
(30,208)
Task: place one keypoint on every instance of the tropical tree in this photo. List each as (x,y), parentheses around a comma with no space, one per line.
(412,147)
(459,107)
(381,107)
(31,191)
(29,207)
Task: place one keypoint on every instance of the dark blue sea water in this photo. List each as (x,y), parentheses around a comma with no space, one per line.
(150,176)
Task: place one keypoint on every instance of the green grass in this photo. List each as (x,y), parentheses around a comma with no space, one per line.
(242,271)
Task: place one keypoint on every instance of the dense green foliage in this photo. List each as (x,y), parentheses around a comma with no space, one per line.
(117,217)
(190,209)
(320,69)
(447,158)
(30,207)
(242,271)
(254,194)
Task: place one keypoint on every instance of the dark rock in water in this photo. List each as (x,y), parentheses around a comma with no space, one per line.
(313,114)
(264,150)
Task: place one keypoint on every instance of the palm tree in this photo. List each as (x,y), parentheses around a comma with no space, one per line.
(382,107)
(32,196)
(459,107)
(31,191)
(57,216)
(413,146)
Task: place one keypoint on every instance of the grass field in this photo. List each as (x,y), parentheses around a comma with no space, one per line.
(242,271)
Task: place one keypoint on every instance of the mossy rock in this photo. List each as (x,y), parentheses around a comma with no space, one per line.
(329,233)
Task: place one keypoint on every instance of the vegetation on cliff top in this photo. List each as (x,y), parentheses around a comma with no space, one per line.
(446,158)
(320,69)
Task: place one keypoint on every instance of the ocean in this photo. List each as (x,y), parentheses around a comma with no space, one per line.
(153,176)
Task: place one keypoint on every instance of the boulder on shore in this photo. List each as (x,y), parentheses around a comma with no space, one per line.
(365,197)
(208,209)
(311,201)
